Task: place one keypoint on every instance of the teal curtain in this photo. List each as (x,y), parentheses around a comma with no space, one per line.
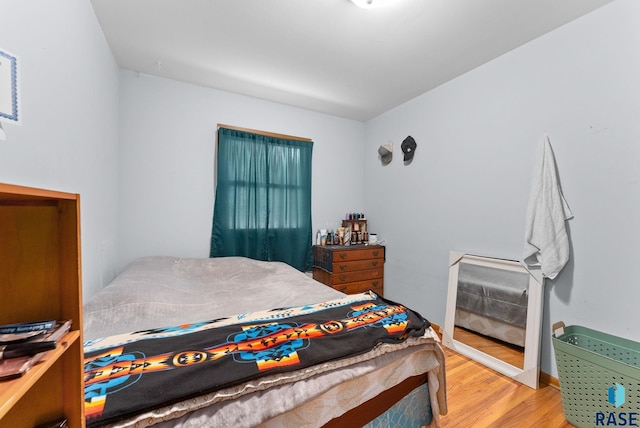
(263,199)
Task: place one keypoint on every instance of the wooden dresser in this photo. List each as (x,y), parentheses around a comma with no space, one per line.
(350,269)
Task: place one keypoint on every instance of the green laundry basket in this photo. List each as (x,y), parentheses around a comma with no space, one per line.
(599,377)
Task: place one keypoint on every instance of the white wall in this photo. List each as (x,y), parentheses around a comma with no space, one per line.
(69,103)
(167,133)
(467,188)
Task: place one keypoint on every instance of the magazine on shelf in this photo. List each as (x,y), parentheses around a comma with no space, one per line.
(12,368)
(53,333)
(18,356)
(26,329)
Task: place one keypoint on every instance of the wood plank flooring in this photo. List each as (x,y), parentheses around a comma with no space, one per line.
(479,397)
(506,352)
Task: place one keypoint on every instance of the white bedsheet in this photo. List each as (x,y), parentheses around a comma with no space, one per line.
(162,291)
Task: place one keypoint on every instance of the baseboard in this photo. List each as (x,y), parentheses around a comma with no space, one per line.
(545,378)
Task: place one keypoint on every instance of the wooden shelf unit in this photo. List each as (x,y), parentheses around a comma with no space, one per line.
(359,232)
(40,278)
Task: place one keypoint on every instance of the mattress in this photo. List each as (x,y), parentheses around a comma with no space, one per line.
(161,291)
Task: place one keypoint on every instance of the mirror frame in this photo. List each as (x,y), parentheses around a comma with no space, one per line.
(529,373)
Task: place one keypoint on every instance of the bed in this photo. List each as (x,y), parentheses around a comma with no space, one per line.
(393,377)
(492,302)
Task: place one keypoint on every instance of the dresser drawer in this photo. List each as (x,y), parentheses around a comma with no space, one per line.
(326,257)
(346,277)
(360,287)
(368,252)
(355,276)
(357,265)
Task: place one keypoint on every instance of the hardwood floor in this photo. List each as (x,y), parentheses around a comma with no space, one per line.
(506,352)
(479,397)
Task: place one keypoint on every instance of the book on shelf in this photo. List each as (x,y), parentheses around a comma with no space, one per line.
(12,368)
(18,353)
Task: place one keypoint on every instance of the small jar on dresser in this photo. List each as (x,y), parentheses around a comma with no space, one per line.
(350,269)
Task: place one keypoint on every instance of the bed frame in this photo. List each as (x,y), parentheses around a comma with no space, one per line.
(375,407)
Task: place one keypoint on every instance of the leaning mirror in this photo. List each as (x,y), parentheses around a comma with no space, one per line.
(494,315)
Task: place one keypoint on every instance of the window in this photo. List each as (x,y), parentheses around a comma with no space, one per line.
(263,198)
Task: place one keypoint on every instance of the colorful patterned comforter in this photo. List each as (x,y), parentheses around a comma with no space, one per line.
(131,373)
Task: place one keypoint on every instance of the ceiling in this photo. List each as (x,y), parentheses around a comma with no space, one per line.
(327,56)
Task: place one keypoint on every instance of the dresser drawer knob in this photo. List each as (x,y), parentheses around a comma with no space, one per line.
(343,256)
(342,267)
(343,278)
(374,283)
(374,263)
(376,252)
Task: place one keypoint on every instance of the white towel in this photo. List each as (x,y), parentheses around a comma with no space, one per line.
(546,239)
